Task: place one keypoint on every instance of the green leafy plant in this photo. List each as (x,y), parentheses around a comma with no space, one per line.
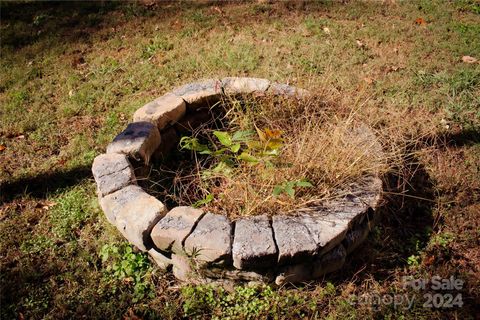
(208,198)
(288,187)
(245,302)
(130,268)
(228,146)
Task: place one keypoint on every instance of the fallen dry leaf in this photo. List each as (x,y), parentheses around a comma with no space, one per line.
(468,59)
(420,21)
(326,30)
(2,147)
(360,44)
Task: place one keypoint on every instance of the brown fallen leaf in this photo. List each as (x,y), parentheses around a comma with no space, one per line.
(468,59)
(420,21)
(360,44)
(2,147)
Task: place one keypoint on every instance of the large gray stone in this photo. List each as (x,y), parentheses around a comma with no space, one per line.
(210,241)
(253,244)
(237,85)
(139,140)
(170,232)
(293,239)
(325,231)
(134,213)
(163,111)
(349,208)
(201,93)
(112,172)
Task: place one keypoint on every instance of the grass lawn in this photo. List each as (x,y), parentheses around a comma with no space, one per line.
(72,74)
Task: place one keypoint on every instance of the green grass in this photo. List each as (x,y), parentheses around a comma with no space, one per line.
(72,74)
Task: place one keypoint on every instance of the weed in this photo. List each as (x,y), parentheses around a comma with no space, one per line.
(123,265)
(243,303)
(274,157)
(71,212)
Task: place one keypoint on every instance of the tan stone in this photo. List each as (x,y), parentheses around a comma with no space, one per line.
(134,213)
(112,172)
(162,261)
(201,93)
(165,110)
(139,140)
(170,232)
(237,85)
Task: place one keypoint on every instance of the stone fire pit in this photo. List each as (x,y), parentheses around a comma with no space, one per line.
(202,246)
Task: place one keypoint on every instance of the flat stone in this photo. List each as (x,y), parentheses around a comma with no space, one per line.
(139,140)
(356,236)
(234,274)
(162,261)
(170,232)
(182,267)
(210,241)
(236,85)
(201,93)
(325,231)
(331,261)
(134,213)
(253,244)
(112,172)
(293,239)
(162,111)
(349,208)
(282,89)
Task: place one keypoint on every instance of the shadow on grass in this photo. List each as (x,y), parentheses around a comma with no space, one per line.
(26,22)
(40,186)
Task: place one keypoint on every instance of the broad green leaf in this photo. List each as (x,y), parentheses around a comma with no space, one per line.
(273,152)
(304,183)
(290,191)
(247,157)
(223,137)
(277,190)
(255,145)
(208,198)
(222,168)
(242,135)
(193,144)
(275,144)
(234,148)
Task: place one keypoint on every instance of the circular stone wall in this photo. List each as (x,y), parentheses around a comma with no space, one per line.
(202,246)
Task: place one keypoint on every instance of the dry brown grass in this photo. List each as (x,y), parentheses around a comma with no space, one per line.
(328,147)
